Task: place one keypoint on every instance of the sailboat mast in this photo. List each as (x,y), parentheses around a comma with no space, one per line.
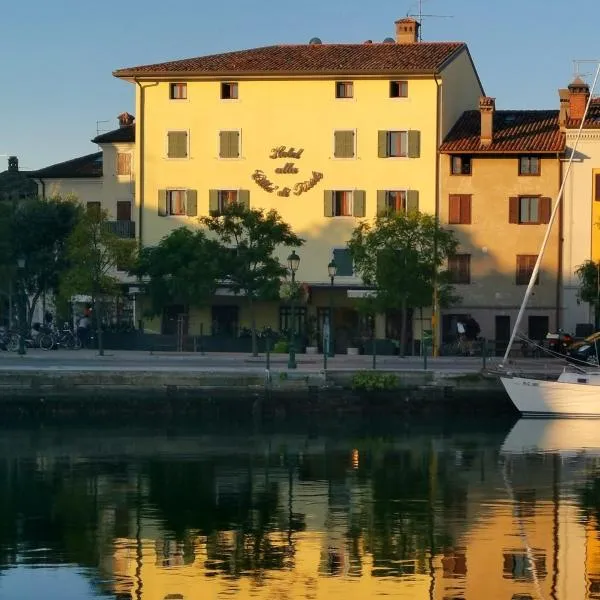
(559,198)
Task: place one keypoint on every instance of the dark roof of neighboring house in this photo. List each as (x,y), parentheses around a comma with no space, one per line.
(86,166)
(306,59)
(122,134)
(514,131)
(592,120)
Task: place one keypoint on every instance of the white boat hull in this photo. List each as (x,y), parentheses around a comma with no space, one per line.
(565,398)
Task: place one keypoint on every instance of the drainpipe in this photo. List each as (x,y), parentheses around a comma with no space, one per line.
(140,166)
(43,183)
(435,311)
(559,278)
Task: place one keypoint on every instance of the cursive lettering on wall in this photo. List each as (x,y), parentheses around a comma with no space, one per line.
(284,193)
(264,182)
(285,152)
(288,168)
(304,186)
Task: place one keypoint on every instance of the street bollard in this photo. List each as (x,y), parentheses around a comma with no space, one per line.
(268,353)
(424,355)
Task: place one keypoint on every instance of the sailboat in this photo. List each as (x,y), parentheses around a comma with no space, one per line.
(576,393)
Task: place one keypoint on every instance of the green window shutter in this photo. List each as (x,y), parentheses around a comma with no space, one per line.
(213,201)
(234,144)
(343,261)
(358,203)
(177,144)
(191,203)
(224,144)
(381,204)
(328,203)
(414,144)
(338,143)
(244,198)
(382,144)
(162,203)
(412,201)
(344,144)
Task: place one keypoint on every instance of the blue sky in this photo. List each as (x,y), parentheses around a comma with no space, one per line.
(57,57)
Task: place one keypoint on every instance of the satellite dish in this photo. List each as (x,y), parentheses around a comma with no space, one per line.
(315,41)
(389,41)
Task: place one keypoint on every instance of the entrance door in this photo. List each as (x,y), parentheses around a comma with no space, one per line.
(172,316)
(225,320)
(538,328)
(449,331)
(502,335)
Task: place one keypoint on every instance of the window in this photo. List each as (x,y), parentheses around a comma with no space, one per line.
(397,201)
(344,203)
(123,210)
(525,265)
(123,163)
(94,208)
(177,202)
(518,566)
(229,144)
(285,318)
(344,144)
(178,91)
(454,564)
(459,209)
(399,144)
(460,165)
(229,91)
(220,199)
(459,268)
(529,210)
(529,165)
(344,89)
(343,261)
(177,144)
(398,89)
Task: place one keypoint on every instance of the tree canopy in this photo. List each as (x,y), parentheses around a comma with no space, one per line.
(589,286)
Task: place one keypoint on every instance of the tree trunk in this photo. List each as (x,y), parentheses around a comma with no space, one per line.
(403,328)
(253,324)
(10,304)
(97,304)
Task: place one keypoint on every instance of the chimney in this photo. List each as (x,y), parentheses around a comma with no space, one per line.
(579,92)
(13,164)
(407,31)
(487,108)
(125,119)
(563,113)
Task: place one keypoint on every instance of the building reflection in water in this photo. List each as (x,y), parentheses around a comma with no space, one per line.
(419,516)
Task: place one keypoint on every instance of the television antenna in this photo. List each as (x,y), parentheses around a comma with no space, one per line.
(419,15)
(99,129)
(579,64)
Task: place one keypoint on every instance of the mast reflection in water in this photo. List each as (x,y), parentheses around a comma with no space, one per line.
(423,515)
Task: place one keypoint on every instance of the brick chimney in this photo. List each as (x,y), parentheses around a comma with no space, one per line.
(563,113)
(13,164)
(407,31)
(487,108)
(579,92)
(125,119)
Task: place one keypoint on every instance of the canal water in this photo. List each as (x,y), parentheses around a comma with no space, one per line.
(405,510)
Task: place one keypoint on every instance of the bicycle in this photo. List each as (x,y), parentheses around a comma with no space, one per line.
(56,339)
(456,347)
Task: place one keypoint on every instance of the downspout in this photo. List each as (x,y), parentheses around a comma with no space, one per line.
(435,312)
(43,183)
(559,278)
(140,166)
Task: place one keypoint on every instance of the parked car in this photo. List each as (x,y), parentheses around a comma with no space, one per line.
(585,350)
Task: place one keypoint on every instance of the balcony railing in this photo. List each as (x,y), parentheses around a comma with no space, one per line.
(124,229)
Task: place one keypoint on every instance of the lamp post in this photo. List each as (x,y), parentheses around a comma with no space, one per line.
(22,308)
(332,270)
(293,264)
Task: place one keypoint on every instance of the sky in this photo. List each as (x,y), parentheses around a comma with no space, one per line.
(57,57)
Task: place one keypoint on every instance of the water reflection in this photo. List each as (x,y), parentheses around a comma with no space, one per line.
(425,514)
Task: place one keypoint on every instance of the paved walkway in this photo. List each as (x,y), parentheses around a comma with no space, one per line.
(113,360)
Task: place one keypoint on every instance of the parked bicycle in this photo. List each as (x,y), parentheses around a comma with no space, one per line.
(64,338)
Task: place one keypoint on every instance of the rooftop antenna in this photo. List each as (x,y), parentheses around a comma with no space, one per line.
(578,64)
(100,130)
(419,15)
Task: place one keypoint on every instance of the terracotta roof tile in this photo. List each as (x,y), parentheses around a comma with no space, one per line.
(311,59)
(122,134)
(86,166)
(514,131)
(593,117)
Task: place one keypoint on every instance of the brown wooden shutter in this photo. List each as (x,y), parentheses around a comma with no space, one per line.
(513,209)
(358,203)
(328,203)
(162,203)
(123,163)
(244,198)
(414,144)
(381,203)
(597,187)
(465,209)
(454,202)
(191,203)
(545,209)
(213,201)
(382,144)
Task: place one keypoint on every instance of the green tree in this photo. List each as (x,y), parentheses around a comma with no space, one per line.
(249,238)
(589,286)
(37,230)
(401,257)
(94,252)
(184,268)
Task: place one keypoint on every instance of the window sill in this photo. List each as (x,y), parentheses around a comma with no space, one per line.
(529,174)
(345,99)
(461,174)
(173,158)
(179,100)
(230,100)
(343,158)
(230,159)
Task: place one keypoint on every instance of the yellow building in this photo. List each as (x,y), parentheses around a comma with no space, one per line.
(500,176)
(326,134)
